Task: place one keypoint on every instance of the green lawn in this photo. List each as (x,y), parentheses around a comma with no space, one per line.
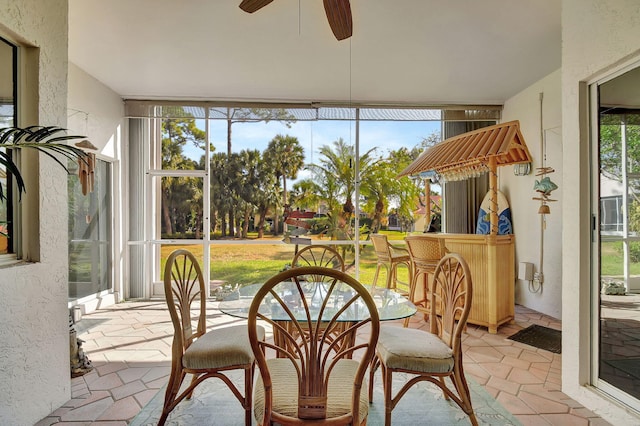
(612,260)
(254,263)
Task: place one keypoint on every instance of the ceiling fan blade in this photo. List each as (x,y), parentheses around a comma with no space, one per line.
(339,17)
(251,6)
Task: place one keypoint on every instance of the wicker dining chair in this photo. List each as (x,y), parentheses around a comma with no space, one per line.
(318,255)
(326,257)
(311,383)
(195,350)
(430,356)
(425,252)
(390,258)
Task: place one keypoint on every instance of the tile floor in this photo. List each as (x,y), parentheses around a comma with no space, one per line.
(129,345)
(620,334)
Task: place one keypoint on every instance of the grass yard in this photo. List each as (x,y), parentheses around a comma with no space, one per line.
(252,263)
(612,262)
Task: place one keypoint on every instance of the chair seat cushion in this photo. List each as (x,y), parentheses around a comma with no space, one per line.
(414,350)
(427,265)
(222,347)
(285,390)
(400,257)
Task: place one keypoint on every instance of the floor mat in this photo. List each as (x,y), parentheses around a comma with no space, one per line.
(214,404)
(631,366)
(540,337)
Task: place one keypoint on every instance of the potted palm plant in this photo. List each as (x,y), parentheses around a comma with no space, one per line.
(46,139)
(49,140)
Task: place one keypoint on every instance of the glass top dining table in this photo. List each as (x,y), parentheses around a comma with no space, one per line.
(391,305)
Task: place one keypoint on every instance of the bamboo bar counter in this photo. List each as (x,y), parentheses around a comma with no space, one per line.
(491,257)
(491,260)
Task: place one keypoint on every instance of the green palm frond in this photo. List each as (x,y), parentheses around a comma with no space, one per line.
(46,139)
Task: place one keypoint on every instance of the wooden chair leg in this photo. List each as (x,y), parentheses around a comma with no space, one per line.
(427,296)
(389,276)
(173,387)
(248,397)
(193,380)
(460,383)
(412,296)
(375,363)
(388,406)
(392,278)
(375,276)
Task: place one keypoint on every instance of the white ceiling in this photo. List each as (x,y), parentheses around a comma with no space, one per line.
(402,51)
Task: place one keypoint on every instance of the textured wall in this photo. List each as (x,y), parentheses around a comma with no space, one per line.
(525,107)
(597,37)
(34,335)
(97,112)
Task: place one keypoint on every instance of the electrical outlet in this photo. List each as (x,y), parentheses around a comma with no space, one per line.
(538,278)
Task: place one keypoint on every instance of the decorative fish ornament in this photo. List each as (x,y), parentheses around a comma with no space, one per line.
(545,186)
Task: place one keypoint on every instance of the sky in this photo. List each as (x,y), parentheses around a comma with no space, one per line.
(385,136)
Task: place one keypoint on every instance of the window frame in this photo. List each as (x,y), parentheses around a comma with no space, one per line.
(13,209)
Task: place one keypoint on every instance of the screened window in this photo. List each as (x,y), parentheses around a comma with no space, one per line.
(90,249)
(246,185)
(8,90)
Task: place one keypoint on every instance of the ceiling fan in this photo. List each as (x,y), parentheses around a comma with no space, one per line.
(338,14)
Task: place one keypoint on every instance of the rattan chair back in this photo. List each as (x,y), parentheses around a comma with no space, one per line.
(310,381)
(204,354)
(390,258)
(435,355)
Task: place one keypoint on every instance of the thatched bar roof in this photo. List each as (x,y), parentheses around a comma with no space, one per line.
(504,142)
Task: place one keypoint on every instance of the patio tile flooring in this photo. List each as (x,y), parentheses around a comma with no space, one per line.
(129,345)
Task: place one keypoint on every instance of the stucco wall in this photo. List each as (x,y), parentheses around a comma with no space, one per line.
(537,242)
(97,112)
(597,36)
(34,335)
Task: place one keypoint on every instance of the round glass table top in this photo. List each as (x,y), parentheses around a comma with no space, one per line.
(391,305)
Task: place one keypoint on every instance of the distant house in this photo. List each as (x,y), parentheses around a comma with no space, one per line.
(611,208)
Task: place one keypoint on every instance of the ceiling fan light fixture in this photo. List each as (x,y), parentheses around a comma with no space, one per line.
(339,17)
(338,14)
(251,6)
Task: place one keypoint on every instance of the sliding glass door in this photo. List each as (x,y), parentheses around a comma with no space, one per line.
(617,238)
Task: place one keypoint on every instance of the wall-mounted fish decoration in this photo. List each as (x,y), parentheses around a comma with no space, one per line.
(545,186)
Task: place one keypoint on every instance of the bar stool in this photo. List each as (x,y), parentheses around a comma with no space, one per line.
(390,257)
(425,252)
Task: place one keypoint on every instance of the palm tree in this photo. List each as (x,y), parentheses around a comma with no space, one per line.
(287,157)
(338,161)
(177,192)
(375,188)
(250,161)
(221,189)
(306,195)
(266,194)
(379,186)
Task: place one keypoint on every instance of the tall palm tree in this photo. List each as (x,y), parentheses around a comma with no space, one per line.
(267,194)
(175,135)
(287,157)
(338,161)
(250,162)
(380,187)
(375,188)
(223,186)
(306,195)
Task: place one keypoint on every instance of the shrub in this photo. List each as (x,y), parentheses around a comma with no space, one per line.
(634,251)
